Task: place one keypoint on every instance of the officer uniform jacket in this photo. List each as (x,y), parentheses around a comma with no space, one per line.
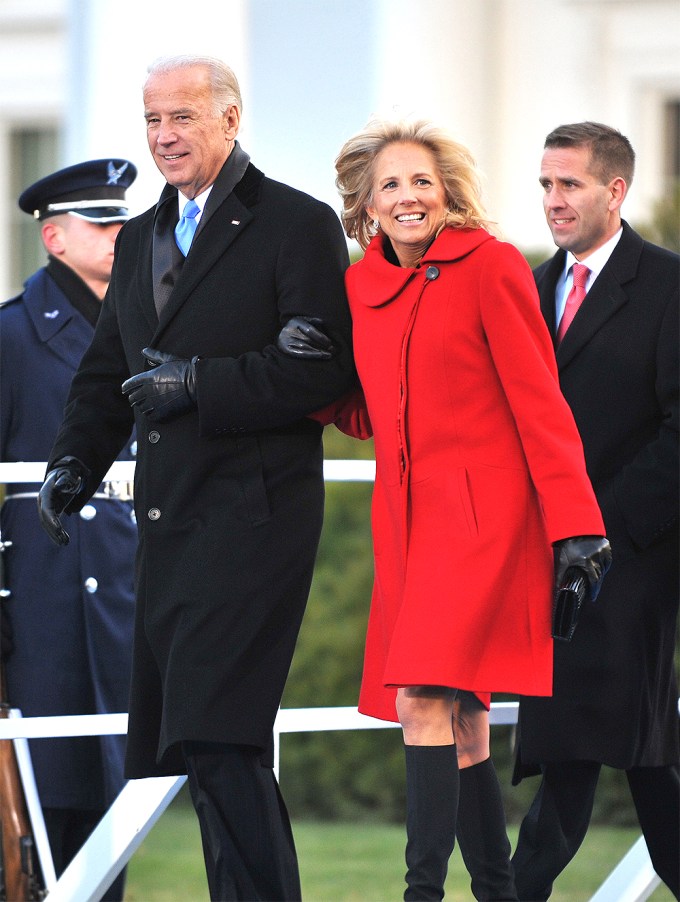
(615,691)
(71,609)
(229,497)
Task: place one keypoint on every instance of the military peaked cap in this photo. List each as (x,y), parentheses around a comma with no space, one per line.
(94,190)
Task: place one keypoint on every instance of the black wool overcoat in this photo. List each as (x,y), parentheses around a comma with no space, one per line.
(615,690)
(229,498)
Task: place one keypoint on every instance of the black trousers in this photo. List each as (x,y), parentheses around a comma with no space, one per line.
(67,830)
(557,822)
(247,840)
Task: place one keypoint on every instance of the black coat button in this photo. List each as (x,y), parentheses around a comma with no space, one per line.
(432,273)
(154,437)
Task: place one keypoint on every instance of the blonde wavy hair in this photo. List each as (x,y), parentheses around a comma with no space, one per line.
(455,164)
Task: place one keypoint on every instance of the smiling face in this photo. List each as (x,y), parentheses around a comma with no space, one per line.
(408,198)
(582,213)
(189,141)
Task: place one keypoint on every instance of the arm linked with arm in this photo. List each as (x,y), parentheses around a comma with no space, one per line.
(303,338)
(268,388)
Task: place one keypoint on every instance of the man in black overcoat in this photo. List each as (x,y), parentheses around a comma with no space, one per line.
(615,698)
(229,480)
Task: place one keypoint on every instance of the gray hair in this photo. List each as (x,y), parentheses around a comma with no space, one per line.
(225,87)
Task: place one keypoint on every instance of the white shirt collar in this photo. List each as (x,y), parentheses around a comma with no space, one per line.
(200,199)
(597,260)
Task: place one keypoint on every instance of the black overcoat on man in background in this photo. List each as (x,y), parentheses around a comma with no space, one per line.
(229,497)
(615,691)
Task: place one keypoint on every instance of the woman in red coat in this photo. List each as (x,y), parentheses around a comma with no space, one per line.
(479,471)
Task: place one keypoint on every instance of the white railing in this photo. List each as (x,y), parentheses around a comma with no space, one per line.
(124,471)
(141,802)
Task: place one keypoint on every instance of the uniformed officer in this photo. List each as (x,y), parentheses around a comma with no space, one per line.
(70,613)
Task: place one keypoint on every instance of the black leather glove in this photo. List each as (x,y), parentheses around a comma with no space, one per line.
(591,554)
(300,337)
(61,485)
(166,391)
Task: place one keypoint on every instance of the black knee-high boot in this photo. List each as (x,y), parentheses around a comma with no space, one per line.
(431,807)
(482,836)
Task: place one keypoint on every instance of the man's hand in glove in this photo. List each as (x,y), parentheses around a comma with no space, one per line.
(61,485)
(302,337)
(591,554)
(166,391)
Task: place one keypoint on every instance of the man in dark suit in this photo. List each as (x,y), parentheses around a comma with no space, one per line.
(615,698)
(71,614)
(229,481)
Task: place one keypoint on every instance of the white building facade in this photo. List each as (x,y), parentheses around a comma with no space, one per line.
(499,74)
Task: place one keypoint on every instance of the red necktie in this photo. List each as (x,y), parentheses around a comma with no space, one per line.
(575,299)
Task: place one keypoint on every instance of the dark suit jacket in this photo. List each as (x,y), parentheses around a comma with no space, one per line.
(229,498)
(615,691)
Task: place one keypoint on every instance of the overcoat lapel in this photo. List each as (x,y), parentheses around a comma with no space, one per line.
(224,218)
(603,300)
(233,171)
(143,261)
(225,225)
(167,259)
(546,281)
(600,304)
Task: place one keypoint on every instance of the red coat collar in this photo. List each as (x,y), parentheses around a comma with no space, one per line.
(374,281)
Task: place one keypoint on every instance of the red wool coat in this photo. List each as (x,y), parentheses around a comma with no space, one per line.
(479,468)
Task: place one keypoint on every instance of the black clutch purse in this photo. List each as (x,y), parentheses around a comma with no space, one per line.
(568,600)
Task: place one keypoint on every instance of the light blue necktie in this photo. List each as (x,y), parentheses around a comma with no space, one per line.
(186,227)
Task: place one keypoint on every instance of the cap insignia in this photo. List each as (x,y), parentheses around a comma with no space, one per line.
(114,174)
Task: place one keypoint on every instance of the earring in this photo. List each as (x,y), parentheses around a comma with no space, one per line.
(376,224)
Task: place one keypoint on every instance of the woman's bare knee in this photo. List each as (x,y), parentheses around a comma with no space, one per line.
(471,729)
(425,714)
